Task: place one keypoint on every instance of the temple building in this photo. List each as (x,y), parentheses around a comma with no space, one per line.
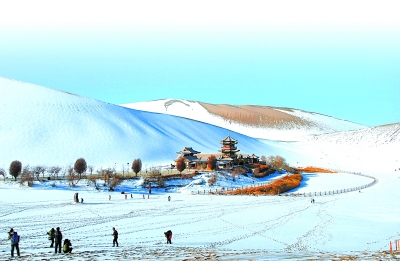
(190,157)
(229,150)
(228,156)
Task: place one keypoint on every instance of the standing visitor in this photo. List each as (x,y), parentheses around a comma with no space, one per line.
(58,238)
(168,235)
(115,235)
(14,239)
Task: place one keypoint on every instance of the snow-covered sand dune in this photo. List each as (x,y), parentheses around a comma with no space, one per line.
(44,126)
(266,122)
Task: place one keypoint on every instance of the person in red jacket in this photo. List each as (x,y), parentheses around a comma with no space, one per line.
(168,235)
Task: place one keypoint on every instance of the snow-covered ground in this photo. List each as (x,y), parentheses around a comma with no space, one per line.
(43,126)
(220,227)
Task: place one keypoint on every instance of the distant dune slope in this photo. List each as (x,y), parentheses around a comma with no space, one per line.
(257,121)
(39,125)
(369,137)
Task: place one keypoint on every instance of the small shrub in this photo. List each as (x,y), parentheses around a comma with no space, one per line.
(93,180)
(115,181)
(28,179)
(279,186)
(314,169)
(3,173)
(213,178)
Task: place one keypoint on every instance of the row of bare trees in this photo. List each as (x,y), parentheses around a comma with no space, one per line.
(74,174)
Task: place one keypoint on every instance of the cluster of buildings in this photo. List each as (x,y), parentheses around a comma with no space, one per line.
(229,155)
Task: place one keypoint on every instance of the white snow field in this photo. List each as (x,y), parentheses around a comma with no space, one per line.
(43,126)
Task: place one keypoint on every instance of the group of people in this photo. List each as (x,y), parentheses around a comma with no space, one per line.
(55,236)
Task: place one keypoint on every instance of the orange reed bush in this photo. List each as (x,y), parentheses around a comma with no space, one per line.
(314,169)
(278,186)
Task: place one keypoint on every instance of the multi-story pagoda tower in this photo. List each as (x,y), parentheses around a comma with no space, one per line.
(229,149)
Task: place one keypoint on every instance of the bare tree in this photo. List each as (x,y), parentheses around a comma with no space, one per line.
(3,173)
(237,172)
(54,171)
(27,170)
(256,172)
(137,166)
(39,170)
(93,180)
(276,162)
(181,165)
(212,162)
(72,178)
(106,175)
(90,169)
(27,177)
(115,181)
(15,168)
(80,166)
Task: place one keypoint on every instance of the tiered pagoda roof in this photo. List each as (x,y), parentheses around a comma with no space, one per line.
(188,153)
(229,140)
(229,149)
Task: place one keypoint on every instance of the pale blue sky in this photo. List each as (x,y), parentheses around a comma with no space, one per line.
(339,58)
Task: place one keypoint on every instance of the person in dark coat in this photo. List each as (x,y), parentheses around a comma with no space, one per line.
(58,238)
(115,235)
(51,236)
(168,235)
(14,243)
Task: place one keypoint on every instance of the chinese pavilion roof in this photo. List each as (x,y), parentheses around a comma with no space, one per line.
(229,139)
(188,150)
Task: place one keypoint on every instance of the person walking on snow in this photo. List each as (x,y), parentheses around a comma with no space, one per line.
(58,238)
(51,236)
(168,235)
(14,240)
(115,235)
